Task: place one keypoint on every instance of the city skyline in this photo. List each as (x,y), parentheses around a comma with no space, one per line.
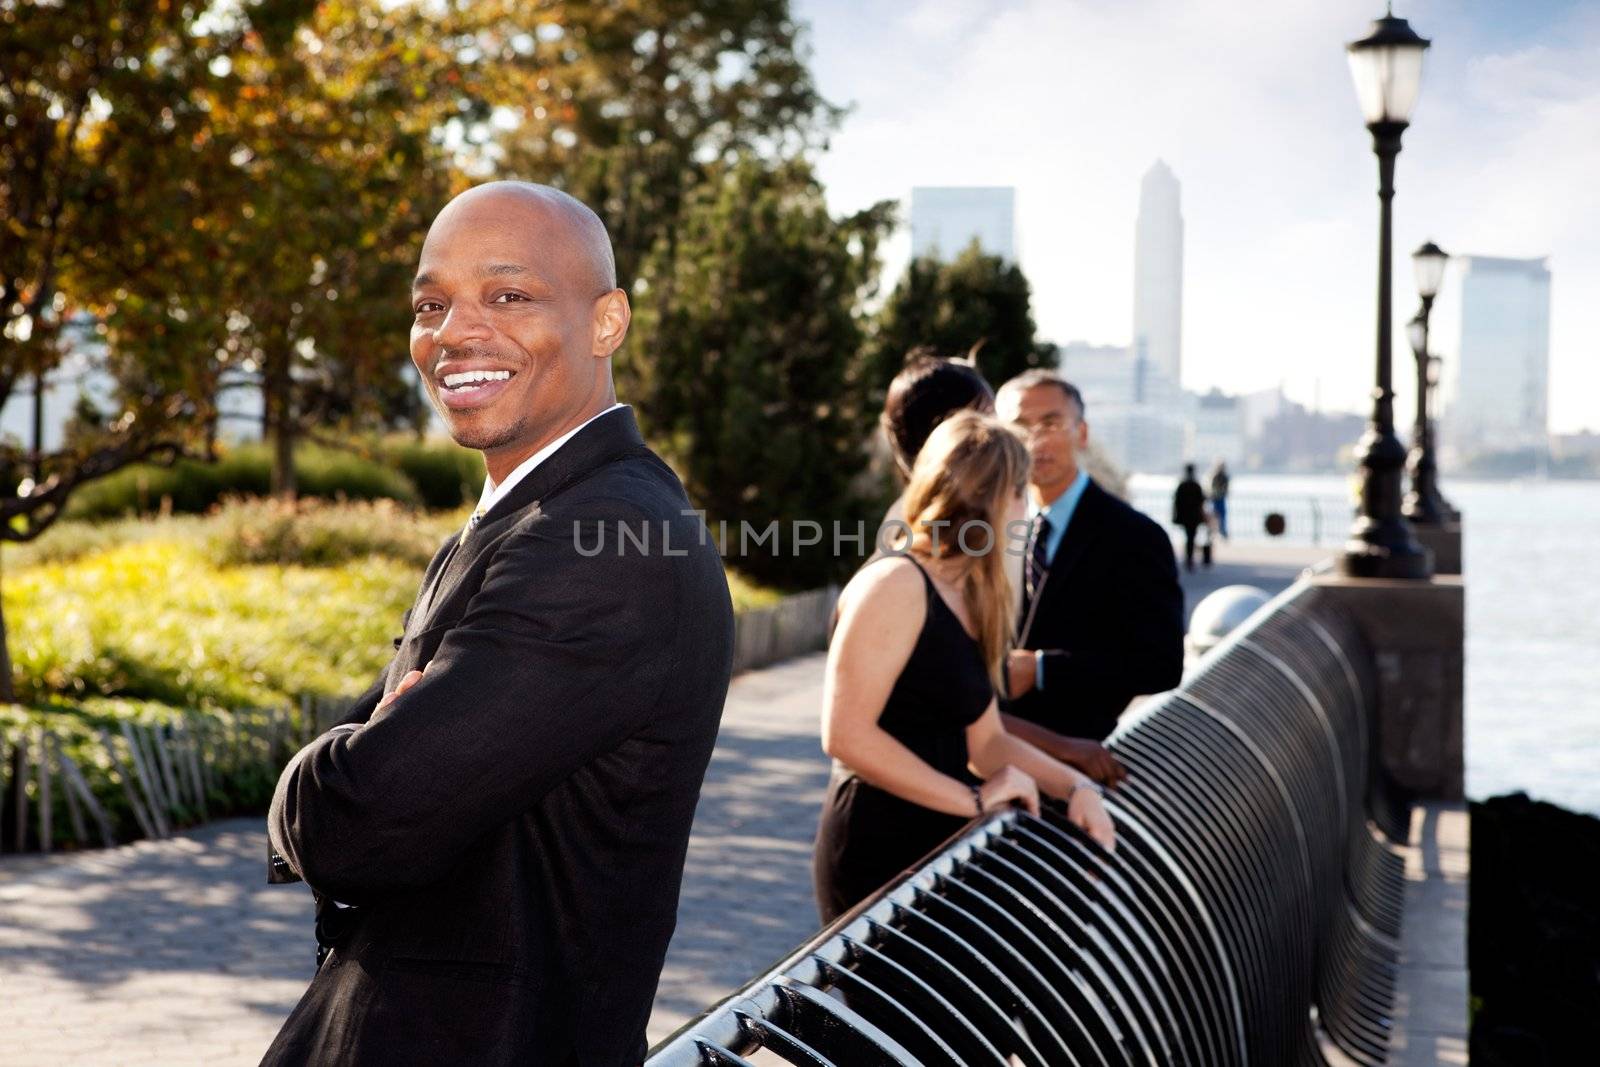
(1252,104)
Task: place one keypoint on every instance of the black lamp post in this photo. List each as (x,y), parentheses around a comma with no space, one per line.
(1387,67)
(1424,505)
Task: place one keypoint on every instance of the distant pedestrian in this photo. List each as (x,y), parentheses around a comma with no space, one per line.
(1219,497)
(1189,512)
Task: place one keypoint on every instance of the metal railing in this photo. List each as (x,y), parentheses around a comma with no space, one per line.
(1250,914)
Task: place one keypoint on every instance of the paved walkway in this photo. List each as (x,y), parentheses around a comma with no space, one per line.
(1271,566)
(174,952)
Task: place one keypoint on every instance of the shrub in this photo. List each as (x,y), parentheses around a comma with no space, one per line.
(311,533)
(219,762)
(160,621)
(190,486)
(445,474)
(69,540)
(333,475)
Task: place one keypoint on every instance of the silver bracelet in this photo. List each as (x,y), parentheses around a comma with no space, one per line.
(1089,784)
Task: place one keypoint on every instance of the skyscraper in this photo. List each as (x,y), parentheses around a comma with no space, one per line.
(946,219)
(1158,274)
(1496,391)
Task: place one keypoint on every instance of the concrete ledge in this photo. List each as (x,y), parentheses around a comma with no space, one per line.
(1445,544)
(1417,633)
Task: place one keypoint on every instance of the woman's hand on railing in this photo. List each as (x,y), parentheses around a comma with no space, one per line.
(1009,785)
(1087,812)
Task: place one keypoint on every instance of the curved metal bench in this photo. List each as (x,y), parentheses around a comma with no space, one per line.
(1250,914)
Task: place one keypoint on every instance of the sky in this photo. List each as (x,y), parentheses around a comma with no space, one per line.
(1252,105)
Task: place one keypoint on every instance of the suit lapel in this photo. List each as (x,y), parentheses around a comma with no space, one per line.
(1082,529)
(609,437)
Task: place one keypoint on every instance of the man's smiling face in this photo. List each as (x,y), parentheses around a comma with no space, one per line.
(509,322)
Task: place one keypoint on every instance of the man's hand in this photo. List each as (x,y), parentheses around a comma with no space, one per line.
(1092,758)
(411,679)
(1020,666)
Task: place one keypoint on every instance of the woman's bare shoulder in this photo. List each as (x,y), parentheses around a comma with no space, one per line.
(892,583)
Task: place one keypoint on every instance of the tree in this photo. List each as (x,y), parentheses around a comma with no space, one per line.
(99,165)
(628,105)
(337,171)
(183,195)
(749,345)
(977,304)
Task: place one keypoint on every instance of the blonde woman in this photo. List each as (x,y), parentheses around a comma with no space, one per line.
(909,712)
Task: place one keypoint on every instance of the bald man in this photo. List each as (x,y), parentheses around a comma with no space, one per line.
(496,833)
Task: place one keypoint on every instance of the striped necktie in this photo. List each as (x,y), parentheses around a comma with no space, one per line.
(472,524)
(1038,560)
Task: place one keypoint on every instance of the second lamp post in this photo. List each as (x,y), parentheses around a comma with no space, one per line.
(1424,506)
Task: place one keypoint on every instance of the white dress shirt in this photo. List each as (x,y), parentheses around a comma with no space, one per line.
(493,494)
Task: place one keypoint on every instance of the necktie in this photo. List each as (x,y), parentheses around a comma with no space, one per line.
(1038,560)
(472,524)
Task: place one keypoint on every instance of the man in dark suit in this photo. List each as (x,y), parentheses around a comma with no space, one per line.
(1102,612)
(506,811)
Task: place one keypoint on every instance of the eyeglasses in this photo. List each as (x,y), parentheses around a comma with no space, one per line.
(1047,425)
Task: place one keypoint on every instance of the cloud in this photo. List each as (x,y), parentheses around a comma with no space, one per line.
(1252,106)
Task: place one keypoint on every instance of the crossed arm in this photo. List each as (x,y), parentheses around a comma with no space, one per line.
(557,659)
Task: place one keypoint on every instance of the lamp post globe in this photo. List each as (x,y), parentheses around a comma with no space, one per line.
(1429,262)
(1387,68)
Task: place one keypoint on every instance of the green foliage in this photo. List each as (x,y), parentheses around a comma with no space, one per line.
(163,622)
(243,751)
(976,303)
(444,474)
(69,540)
(745,360)
(311,534)
(255,605)
(153,622)
(192,486)
(630,106)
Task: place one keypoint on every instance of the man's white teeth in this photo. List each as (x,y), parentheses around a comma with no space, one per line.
(472,377)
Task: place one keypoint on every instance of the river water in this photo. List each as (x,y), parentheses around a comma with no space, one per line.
(1532,569)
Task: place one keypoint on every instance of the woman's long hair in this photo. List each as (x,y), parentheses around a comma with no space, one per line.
(964,480)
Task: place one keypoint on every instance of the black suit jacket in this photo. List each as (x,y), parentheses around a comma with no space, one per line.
(512,830)
(1111,604)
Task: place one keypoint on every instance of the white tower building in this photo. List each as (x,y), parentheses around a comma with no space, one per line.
(1158,274)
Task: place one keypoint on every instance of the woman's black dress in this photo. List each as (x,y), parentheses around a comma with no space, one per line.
(868,836)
